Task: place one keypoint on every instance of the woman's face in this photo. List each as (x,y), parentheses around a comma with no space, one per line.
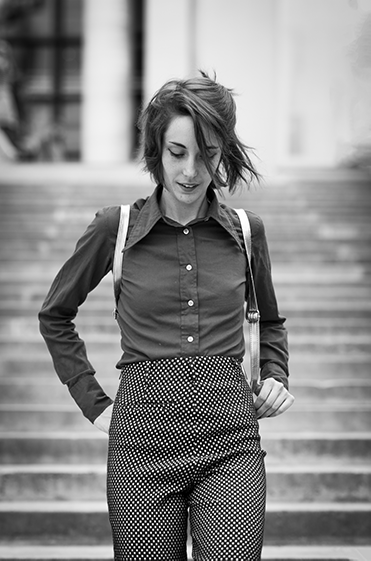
(186,178)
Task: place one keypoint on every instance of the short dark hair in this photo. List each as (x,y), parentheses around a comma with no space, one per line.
(212,108)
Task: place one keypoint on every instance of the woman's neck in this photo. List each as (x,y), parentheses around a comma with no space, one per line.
(182,213)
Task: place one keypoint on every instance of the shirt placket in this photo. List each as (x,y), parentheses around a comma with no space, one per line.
(189,317)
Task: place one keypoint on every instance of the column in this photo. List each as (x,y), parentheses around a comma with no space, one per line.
(107,113)
(357,151)
(170,31)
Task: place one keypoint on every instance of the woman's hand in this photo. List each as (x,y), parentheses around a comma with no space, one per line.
(104,420)
(273,399)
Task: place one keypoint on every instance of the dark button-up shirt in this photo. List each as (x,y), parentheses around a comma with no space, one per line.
(182,294)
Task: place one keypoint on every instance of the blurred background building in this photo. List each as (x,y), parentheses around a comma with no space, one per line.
(81,69)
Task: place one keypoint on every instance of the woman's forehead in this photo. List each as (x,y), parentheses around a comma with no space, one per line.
(182,127)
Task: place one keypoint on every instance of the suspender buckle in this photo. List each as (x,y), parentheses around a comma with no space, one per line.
(253,316)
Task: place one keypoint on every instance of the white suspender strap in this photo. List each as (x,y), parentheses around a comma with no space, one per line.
(118,256)
(252,315)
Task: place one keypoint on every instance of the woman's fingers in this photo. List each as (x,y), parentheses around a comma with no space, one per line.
(286,404)
(273,399)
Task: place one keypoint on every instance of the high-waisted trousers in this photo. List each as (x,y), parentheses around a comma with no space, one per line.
(184,448)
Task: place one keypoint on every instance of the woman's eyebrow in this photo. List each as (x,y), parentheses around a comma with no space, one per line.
(177,144)
(182,145)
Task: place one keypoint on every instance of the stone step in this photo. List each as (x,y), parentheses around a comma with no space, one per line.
(18,326)
(303,364)
(312,323)
(51,522)
(312,553)
(329,390)
(296,307)
(302,416)
(315,250)
(324,483)
(31,339)
(105,553)
(38,288)
(101,303)
(56,228)
(41,175)
(69,189)
(68,192)
(89,445)
(47,388)
(321,483)
(318,523)
(40,236)
(109,344)
(297,310)
(318,325)
(316,446)
(57,203)
(46,256)
(30,552)
(86,523)
(325,221)
(64,234)
(102,326)
(63,231)
(60,446)
(63,201)
(301,272)
(352,323)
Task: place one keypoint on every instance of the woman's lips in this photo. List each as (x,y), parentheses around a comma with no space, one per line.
(188,185)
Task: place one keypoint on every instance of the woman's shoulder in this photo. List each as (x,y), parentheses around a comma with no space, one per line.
(255,220)
(109,216)
(107,219)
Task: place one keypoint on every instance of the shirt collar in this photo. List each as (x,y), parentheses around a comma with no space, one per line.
(150,213)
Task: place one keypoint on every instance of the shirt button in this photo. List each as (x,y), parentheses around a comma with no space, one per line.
(185,231)
(191,303)
(190,339)
(189,267)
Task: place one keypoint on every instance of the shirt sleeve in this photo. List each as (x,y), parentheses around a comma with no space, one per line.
(274,354)
(82,272)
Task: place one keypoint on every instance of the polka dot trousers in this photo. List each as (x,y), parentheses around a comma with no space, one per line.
(184,445)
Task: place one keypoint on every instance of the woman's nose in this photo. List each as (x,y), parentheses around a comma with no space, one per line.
(190,169)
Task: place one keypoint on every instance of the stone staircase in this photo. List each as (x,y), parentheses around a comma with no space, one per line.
(52,461)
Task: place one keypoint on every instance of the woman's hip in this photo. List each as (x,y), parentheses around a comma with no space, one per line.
(185,402)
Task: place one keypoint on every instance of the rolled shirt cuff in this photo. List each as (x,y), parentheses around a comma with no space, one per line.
(89,396)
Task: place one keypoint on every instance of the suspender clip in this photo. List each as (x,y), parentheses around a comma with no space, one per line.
(253,316)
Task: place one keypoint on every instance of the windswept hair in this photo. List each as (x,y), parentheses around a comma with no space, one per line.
(212,108)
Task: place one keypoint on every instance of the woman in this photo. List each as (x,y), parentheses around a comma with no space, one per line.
(183,430)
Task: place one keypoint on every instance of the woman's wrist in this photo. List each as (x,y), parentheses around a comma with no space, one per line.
(103,421)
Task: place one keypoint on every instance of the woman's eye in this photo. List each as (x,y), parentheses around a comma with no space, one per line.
(175,154)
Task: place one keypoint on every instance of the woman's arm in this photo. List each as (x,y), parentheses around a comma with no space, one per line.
(274,397)
(82,272)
